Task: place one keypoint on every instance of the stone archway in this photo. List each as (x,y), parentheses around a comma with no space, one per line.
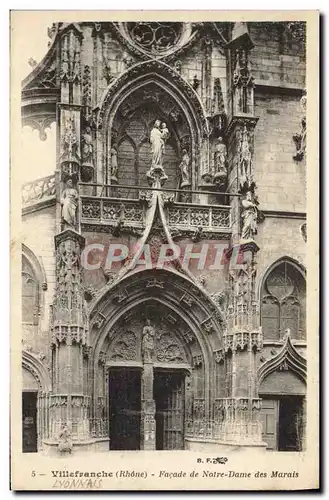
(130,136)
(35,400)
(282,387)
(185,100)
(149,370)
(187,332)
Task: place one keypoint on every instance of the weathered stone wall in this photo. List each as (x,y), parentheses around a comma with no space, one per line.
(38,230)
(281,180)
(283,382)
(279,237)
(277,56)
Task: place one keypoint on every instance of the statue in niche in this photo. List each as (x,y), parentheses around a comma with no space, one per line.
(65,441)
(114,164)
(148,342)
(220,160)
(69,203)
(245,160)
(87,146)
(159,135)
(249,217)
(184,169)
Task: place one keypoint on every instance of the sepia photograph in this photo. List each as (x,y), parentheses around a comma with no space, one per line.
(163,203)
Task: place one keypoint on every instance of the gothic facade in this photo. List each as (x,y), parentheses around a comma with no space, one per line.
(163,263)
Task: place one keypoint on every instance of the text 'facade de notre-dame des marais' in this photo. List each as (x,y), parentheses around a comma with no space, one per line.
(164,285)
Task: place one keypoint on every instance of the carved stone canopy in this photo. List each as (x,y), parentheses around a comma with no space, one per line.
(288,358)
(165,295)
(166,78)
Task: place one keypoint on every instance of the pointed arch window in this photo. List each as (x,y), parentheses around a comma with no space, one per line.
(30,293)
(283,302)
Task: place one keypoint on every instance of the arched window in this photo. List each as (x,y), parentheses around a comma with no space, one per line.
(134,150)
(130,138)
(30,293)
(283,302)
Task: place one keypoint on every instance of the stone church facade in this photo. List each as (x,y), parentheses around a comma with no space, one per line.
(163,264)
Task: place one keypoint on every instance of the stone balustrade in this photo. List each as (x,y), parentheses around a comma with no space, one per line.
(38,190)
(102,211)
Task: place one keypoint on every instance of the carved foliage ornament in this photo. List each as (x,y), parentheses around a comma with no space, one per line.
(125,348)
(168,349)
(69,282)
(86,93)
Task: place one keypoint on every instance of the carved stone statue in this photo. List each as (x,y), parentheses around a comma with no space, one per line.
(114,164)
(157,140)
(249,217)
(245,160)
(148,342)
(159,135)
(70,140)
(87,146)
(65,442)
(184,170)
(69,202)
(220,160)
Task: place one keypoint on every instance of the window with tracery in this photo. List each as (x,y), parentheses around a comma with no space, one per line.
(155,36)
(30,294)
(283,303)
(134,151)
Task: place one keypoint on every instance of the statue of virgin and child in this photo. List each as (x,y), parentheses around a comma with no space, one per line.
(158,137)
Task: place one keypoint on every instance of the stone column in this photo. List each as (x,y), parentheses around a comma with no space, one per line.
(148,403)
(243,338)
(148,408)
(69,336)
(241,121)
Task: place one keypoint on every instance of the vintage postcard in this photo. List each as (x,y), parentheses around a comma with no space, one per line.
(164,295)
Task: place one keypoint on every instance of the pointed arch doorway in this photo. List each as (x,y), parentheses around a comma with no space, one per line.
(282,387)
(149,378)
(127,408)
